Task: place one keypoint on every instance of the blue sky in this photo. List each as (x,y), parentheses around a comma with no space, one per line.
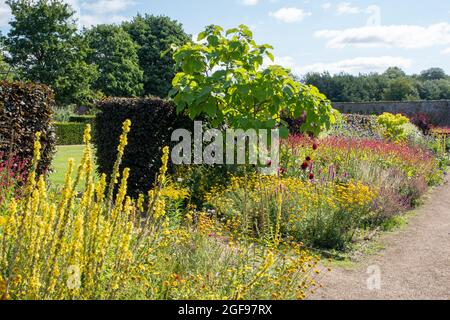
(308,35)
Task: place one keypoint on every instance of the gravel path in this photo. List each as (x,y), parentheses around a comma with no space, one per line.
(415,263)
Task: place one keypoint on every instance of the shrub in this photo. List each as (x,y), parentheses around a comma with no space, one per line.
(26,108)
(153,122)
(69,133)
(393,126)
(422,121)
(86,119)
(415,136)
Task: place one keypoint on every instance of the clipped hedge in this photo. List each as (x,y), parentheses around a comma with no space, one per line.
(69,133)
(26,108)
(153,121)
(87,119)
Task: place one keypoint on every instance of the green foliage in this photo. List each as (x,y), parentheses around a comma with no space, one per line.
(89,119)
(26,108)
(400,89)
(345,87)
(154,35)
(153,121)
(393,85)
(115,54)
(433,74)
(5,68)
(393,126)
(222,77)
(435,89)
(62,114)
(394,73)
(69,133)
(45,48)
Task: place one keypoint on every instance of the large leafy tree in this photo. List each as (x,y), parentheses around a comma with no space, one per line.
(433,74)
(154,35)
(45,47)
(115,54)
(401,89)
(434,89)
(223,76)
(394,73)
(346,87)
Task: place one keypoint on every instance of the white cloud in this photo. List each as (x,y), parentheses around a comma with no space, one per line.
(353,66)
(249,2)
(290,15)
(87,13)
(359,65)
(446,51)
(394,36)
(110,6)
(100,11)
(92,20)
(5,14)
(347,8)
(326,6)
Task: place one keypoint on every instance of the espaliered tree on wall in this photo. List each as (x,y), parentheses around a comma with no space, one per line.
(224,77)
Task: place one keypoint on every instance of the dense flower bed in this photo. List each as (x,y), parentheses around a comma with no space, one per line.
(327,189)
(322,214)
(94,245)
(345,157)
(399,172)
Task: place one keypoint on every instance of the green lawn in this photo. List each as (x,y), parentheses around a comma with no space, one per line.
(63,154)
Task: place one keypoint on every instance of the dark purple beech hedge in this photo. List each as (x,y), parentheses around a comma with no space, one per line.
(152,122)
(26,108)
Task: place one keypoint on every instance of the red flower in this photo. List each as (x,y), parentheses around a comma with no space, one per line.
(308,158)
(315,146)
(269,163)
(305,165)
(311,176)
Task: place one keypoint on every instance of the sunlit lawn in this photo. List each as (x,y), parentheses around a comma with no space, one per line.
(63,154)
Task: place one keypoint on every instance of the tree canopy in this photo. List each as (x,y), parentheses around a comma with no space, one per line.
(114,53)
(45,47)
(223,76)
(154,35)
(394,85)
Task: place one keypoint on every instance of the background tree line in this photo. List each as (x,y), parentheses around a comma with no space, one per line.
(44,45)
(392,85)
